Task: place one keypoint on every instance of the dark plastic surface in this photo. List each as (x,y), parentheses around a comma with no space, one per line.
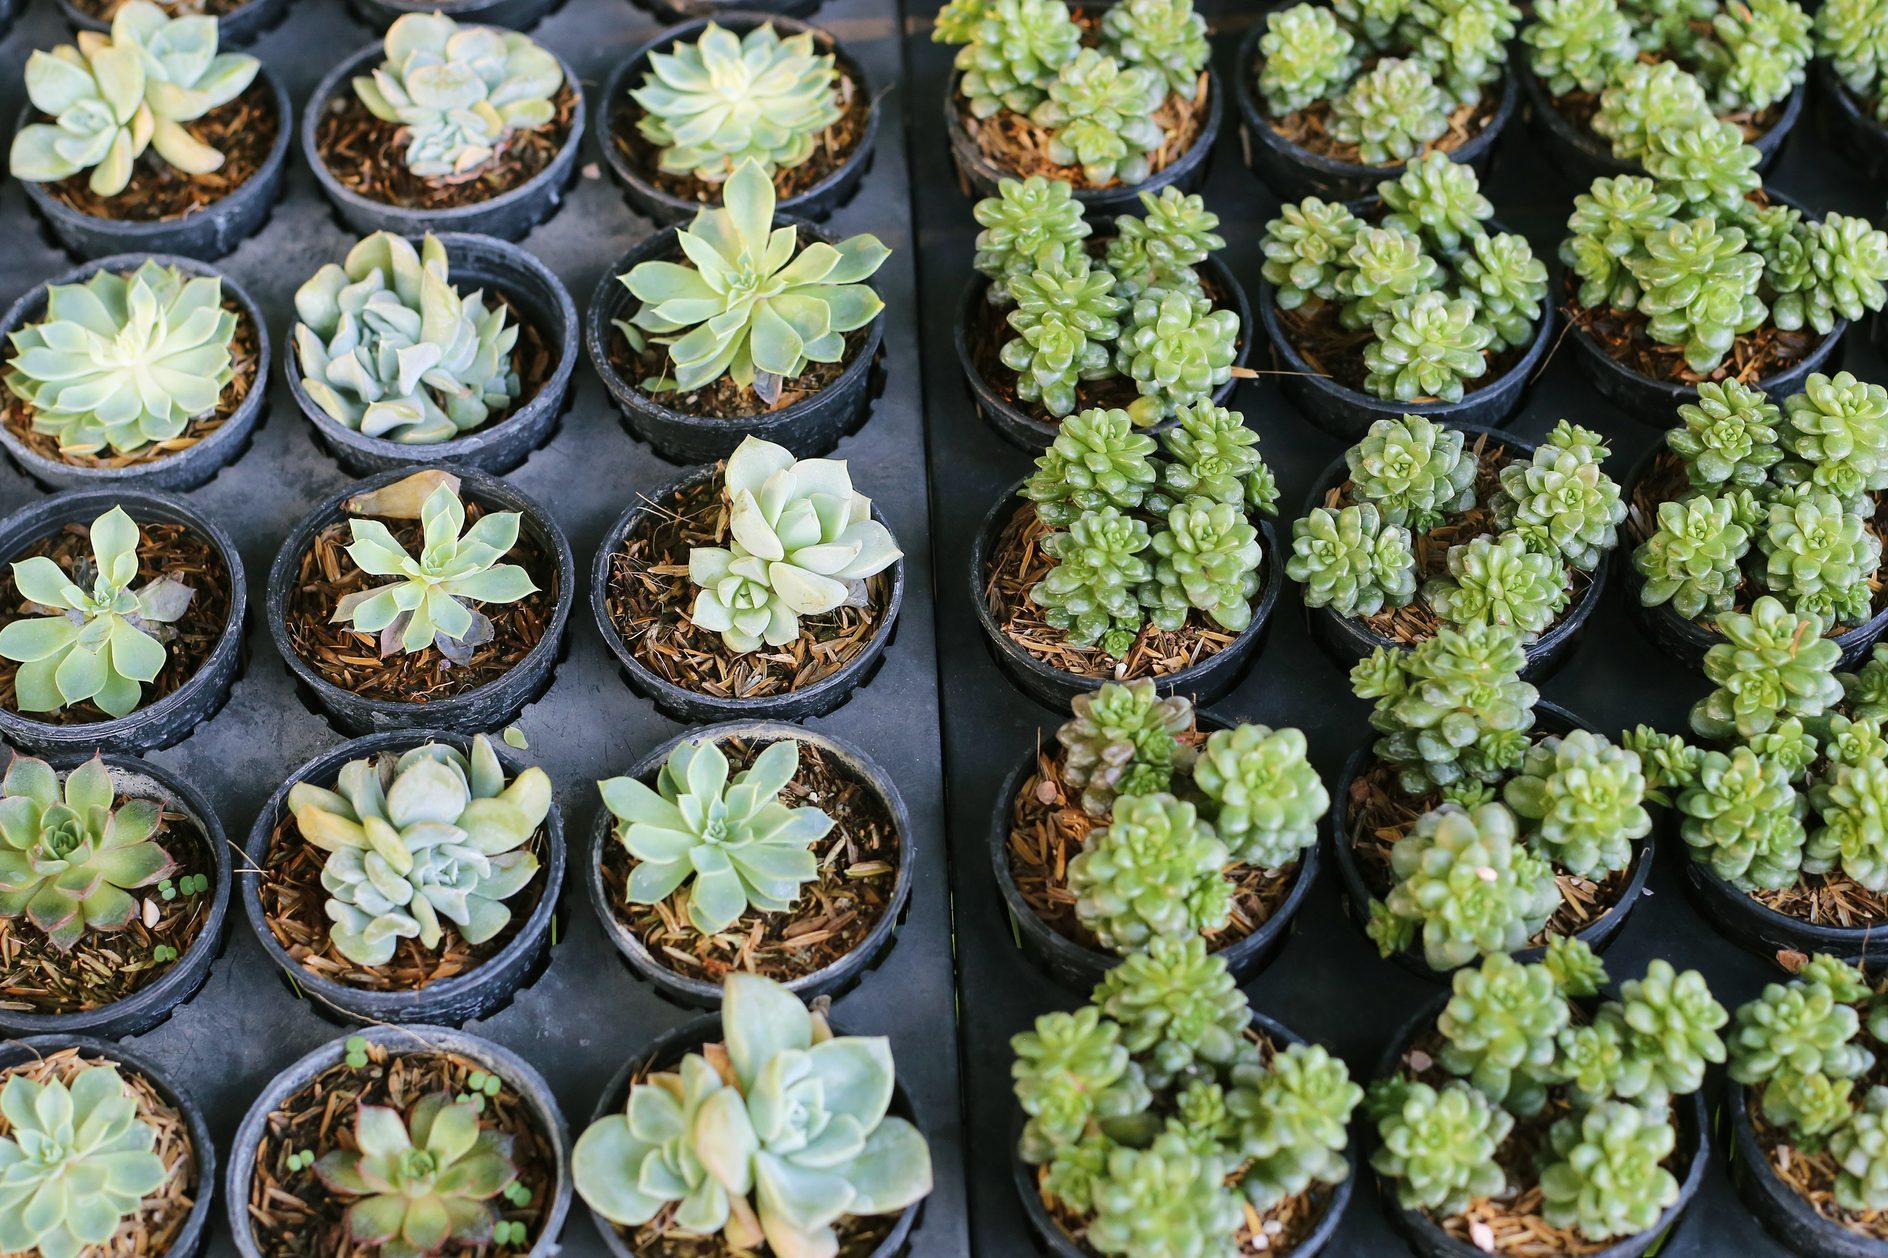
(238,28)
(1849,129)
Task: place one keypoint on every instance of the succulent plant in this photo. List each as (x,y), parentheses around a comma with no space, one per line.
(1427,347)
(1437,200)
(1123,740)
(1853,806)
(1668,761)
(1452,707)
(1706,164)
(1097,459)
(1305,56)
(1790,745)
(67,856)
(1691,558)
(1860,1147)
(1206,559)
(1352,562)
(1177,1005)
(1390,112)
(1500,1030)
(1584,797)
(419,1182)
(1290,1116)
(1469,884)
(1165,1200)
(1438,1144)
(1852,37)
(1177,349)
(1159,247)
(803,542)
(1836,433)
(1153,871)
(1023,219)
(1268,798)
(124,360)
(1165,36)
(1605,1177)
(75,1162)
(1092,593)
(1509,285)
(789,1127)
(1559,501)
(1758,54)
(418,840)
(1383,267)
(1645,98)
(1066,318)
(390,348)
(1413,470)
(748,303)
(710,104)
(100,644)
(1744,819)
(1462,42)
(1307,248)
(1499,581)
(1211,454)
(1375,22)
(1845,742)
(1698,285)
(1100,117)
(1670,1022)
(1577,45)
(1728,436)
(1818,556)
(1670,25)
(1072,1070)
(1011,50)
(1843,261)
(1796,1030)
(1607,234)
(1775,663)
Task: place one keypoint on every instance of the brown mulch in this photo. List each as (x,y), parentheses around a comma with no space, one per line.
(106,10)
(721,398)
(1330,349)
(293,1215)
(1754,355)
(1310,128)
(163,550)
(244,348)
(858,869)
(368,156)
(1017,563)
(154,1227)
(351,659)
(1013,142)
(650,596)
(1831,899)
(243,131)
(1812,1176)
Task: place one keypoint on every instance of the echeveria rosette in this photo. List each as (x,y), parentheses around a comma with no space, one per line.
(1707,165)
(1165,36)
(1728,436)
(1774,663)
(1382,267)
(1607,234)
(1092,593)
(1071,1071)
(1206,559)
(76,1161)
(1178,1006)
(1509,285)
(1413,470)
(1177,349)
(1266,798)
(1160,246)
(1836,434)
(1290,1117)
(1350,561)
(1691,558)
(1577,45)
(1438,1145)
(1605,1176)
(1390,112)
(1583,800)
(1067,318)
(1500,1030)
(1212,454)
(1469,884)
(1698,286)
(1453,707)
(1167,1198)
(1427,348)
(1097,459)
(1307,248)
(1154,871)
(1818,556)
(1100,117)
(1499,580)
(1011,50)
(1644,99)
(1025,217)
(1758,54)
(1306,55)
(1437,200)
(1559,501)
(1743,818)
(1462,42)
(1123,740)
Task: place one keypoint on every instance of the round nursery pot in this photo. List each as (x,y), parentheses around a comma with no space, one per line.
(508,216)
(683,10)
(538,298)
(1759,929)
(205,234)
(517,1075)
(1599,933)
(181,469)
(1295,172)
(830,980)
(694,707)
(1348,413)
(809,427)
(1056,688)
(488,706)
(1850,128)
(1078,967)
(151,1004)
(664,1053)
(1783,1211)
(190,1237)
(979,175)
(485,987)
(515,15)
(237,28)
(1052,1240)
(657,203)
(1427,1239)
(199,698)
(1347,639)
(1030,433)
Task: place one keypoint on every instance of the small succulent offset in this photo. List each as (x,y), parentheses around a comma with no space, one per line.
(1155,871)
(101,644)
(75,1161)
(1267,797)
(1123,740)
(458,93)
(803,542)
(123,360)
(1583,798)
(390,348)
(725,98)
(1351,561)
(418,840)
(1466,886)
(1775,663)
(1390,112)
(113,97)
(1452,708)
(771,1137)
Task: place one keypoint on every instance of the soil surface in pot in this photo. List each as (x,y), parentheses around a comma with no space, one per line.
(154,1227)
(367,156)
(106,967)
(1812,1176)
(352,660)
(243,131)
(832,149)
(858,870)
(721,398)
(1049,828)
(244,349)
(1417,620)
(106,10)
(1336,352)
(1754,355)
(163,550)
(1310,128)
(1831,899)
(293,1215)
(650,595)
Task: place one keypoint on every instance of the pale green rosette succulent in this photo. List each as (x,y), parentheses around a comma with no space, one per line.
(1093,592)
(1836,433)
(1123,740)
(1509,285)
(1100,117)
(1469,885)
(1165,36)
(1438,201)
(1454,707)
(1860,1147)
(1072,1070)
(1438,1145)
(1499,581)
(1290,1116)
(1775,663)
(1500,1030)
(1645,99)
(1066,320)
(1853,836)
(1098,459)
(1578,45)
(1464,43)
(1024,218)
(75,1162)
(1165,1199)
(1691,558)
(1818,556)
(1742,817)
(1160,247)
(1305,56)
(1206,559)
(1178,1006)
(1154,872)
(1606,1176)
(1584,800)
(1307,248)
(1706,164)
(1852,36)
(1390,112)
(1011,50)
(1427,348)
(1607,234)
(1698,285)
(1413,470)
(1177,349)
(1352,562)
(1267,799)
(1559,501)
(1758,54)
(1383,267)
(1728,436)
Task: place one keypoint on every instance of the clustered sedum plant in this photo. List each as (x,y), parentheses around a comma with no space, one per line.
(1512,1042)
(1136,310)
(1096,108)
(772,1136)
(1852,36)
(1161,1122)
(1441,297)
(114,97)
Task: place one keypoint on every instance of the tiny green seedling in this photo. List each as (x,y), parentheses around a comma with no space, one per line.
(300,1160)
(508,1233)
(163,952)
(357,1052)
(518,1195)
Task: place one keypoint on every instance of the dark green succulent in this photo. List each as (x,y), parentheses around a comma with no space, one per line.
(1577,45)
(1559,501)
(1499,580)
(1206,559)
(1154,871)
(1439,1146)
(1438,201)
(1605,1176)
(1500,1031)
(1307,247)
(1092,593)
(1352,562)
(1267,799)
(1390,112)
(1469,885)
(1728,436)
(1305,56)
(1818,557)
(1177,1005)
(1774,663)
(1607,234)
(1383,267)
(1584,799)
(1024,218)
(1744,819)
(1290,1117)
(1072,1070)
(1452,707)
(1691,558)
(1509,285)
(1123,740)
(1098,459)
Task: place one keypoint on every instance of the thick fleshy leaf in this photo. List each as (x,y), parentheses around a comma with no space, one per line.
(760,1018)
(603,1169)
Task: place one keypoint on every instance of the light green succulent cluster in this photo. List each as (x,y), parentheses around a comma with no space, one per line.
(76,1160)
(1024,218)
(1267,797)
(1437,1144)
(1852,37)
(1155,871)
(1583,798)
(1351,561)
(1560,502)
(1124,739)
(772,1137)
(1452,708)
(1774,664)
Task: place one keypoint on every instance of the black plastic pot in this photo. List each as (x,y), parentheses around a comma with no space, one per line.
(660,206)
(178,713)
(195,1231)
(1079,968)
(1851,128)
(477,992)
(155,1002)
(185,469)
(1025,430)
(832,980)
(692,707)
(1347,640)
(683,10)
(1050,1239)
(1428,1240)
(519,1076)
(665,1052)
(1599,933)
(484,707)
(810,427)
(237,28)
(1056,689)
(515,15)
(978,175)
(1761,930)
(507,216)
(1784,1213)
(205,234)
(540,299)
